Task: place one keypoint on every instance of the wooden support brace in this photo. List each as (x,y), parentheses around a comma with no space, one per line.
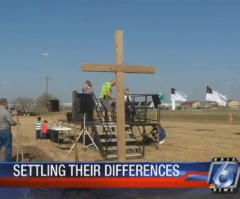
(19,145)
(76,145)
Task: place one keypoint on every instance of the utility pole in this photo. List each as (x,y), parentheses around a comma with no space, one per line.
(47,79)
(46,97)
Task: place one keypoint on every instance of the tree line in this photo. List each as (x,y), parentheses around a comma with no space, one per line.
(40,105)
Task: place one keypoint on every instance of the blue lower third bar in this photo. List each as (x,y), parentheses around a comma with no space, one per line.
(203,177)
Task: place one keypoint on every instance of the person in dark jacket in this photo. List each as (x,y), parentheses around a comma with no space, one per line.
(128,104)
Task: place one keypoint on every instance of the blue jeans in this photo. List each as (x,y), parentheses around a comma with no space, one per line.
(44,136)
(6,140)
(161,132)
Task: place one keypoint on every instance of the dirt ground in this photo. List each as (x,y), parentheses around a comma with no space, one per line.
(186,141)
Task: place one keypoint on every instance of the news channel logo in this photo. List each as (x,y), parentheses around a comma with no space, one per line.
(224,175)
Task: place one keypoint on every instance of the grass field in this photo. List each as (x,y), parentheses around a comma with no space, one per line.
(200,116)
(189,138)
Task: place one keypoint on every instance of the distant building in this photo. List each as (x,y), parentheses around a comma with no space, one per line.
(233,104)
(190,104)
(209,104)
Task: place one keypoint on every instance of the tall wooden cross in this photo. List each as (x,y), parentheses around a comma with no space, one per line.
(119,68)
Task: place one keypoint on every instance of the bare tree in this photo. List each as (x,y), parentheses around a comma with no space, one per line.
(43,102)
(24,103)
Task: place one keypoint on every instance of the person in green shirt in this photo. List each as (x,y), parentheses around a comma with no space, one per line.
(105,99)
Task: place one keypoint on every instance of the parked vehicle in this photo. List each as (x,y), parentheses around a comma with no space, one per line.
(143,103)
(11,110)
(23,113)
(136,104)
(164,107)
(20,113)
(150,104)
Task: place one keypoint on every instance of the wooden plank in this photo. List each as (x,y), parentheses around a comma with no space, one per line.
(120,99)
(76,145)
(118,68)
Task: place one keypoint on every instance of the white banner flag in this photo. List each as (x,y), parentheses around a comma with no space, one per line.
(215,96)
(178,95)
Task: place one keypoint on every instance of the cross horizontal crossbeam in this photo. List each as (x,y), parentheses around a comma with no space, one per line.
(118,68)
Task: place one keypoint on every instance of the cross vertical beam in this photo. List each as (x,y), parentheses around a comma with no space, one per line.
(119,69)
(120,98)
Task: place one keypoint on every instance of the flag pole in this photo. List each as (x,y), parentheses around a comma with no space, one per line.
(206,107)
(170,113)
